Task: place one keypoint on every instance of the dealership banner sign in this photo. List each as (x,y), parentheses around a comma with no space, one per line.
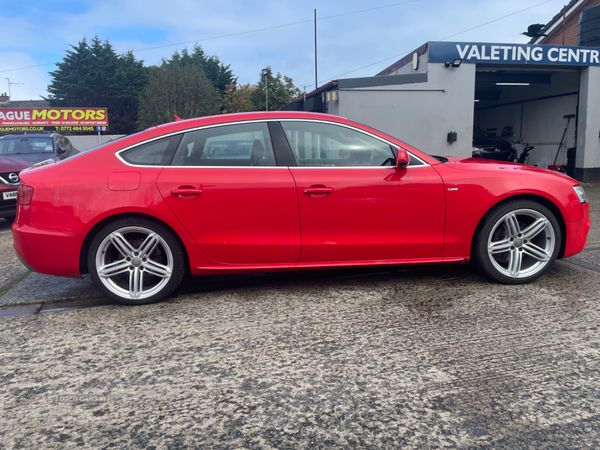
(486,53)
(53,119)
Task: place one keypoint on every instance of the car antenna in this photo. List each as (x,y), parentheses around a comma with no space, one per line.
(177,118)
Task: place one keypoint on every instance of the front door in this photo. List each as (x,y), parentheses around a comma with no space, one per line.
(355,205)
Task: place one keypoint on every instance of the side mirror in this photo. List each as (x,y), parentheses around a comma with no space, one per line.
(402,160)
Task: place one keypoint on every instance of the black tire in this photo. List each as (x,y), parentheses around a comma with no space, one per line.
(509,250)
(155,266)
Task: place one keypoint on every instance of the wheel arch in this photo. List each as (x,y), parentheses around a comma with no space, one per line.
(85,247)
(536,198)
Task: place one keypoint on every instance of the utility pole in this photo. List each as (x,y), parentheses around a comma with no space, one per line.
(316,85)
(265,73)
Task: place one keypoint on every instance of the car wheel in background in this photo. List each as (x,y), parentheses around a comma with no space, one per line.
(518,242)
(136,261)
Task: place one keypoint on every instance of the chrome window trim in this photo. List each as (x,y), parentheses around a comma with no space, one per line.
(189,130)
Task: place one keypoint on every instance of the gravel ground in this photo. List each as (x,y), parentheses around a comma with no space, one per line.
(433,357)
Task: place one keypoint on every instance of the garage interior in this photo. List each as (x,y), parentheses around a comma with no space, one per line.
(527,106)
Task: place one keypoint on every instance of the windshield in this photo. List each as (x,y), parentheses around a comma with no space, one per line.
(26,145)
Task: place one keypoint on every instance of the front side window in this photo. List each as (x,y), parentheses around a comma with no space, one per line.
(246,144)
(329,145)
(64,144)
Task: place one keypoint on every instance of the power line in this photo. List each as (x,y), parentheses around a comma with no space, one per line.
(242,32)
(448,37)
(274,27)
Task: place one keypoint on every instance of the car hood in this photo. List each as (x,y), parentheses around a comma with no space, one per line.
(9,164)
(33,158)
(477,164)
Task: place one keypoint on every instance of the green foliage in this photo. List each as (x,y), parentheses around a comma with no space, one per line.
(281,92)
(219,74)
(237,99)
(93,75)
(181,90)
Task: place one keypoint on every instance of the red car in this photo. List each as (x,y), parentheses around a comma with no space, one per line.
(259,192)
(9,184)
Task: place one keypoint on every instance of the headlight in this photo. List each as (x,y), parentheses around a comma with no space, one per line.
(43,163)
(580,193)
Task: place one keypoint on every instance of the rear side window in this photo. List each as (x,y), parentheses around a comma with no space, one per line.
(154,153)
(247,144)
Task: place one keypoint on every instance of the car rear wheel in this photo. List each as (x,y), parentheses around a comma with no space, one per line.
(136,261)
(518,242)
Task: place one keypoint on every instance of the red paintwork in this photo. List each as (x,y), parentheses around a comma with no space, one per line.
(245,215)
(374,213)
(234,220)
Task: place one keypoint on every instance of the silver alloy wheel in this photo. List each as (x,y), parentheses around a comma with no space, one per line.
(521,243)
(134,262)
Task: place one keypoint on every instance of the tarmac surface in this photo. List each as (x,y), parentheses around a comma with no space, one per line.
(431,357)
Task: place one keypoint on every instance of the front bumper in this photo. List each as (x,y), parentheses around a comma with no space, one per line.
(577,233)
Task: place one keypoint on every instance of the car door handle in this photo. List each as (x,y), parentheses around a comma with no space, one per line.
(186,192)
(318,190)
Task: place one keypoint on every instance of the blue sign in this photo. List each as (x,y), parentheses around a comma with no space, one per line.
(486,53)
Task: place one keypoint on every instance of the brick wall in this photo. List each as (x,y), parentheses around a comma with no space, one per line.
(571,28)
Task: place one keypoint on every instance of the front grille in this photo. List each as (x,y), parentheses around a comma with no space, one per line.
(5,178)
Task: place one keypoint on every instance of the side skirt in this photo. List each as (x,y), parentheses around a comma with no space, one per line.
(246,268)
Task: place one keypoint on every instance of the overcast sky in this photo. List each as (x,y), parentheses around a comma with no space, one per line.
(373,34)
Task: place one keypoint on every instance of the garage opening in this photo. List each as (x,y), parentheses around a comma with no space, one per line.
(532,108)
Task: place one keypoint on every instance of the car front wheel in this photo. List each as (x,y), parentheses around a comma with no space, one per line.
(136,261)
(518,242)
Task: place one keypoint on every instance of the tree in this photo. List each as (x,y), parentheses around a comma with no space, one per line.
(181,90)
(93,75)
(219,74)
(237,99)
(281,92)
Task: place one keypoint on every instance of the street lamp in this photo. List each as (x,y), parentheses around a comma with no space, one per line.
(265,73)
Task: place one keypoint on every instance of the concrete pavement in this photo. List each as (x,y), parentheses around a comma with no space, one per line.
(433,357)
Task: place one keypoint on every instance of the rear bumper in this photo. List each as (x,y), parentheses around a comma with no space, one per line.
(577,233)
(48,251)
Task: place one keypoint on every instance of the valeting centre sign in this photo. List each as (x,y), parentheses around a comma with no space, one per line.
(53,119)
(486,53)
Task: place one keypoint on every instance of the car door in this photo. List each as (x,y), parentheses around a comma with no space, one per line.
(355,205)
(226,189)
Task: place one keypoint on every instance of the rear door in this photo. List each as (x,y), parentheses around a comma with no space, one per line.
(225,187)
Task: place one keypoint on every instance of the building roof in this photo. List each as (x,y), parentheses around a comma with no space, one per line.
(316,91)
(404,61)
(558,18)
(25,104)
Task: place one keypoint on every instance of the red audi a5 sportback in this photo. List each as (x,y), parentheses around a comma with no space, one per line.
(285,191)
